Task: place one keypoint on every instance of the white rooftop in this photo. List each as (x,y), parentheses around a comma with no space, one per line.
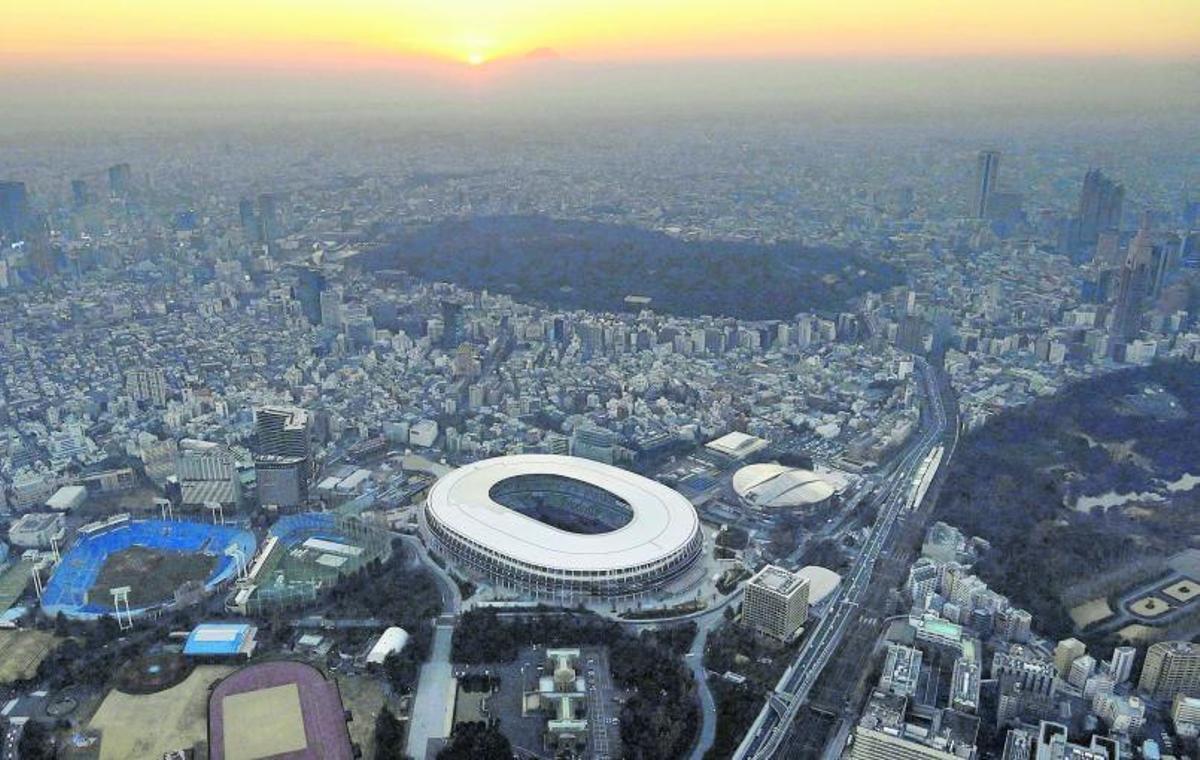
(776,485)
(663,520)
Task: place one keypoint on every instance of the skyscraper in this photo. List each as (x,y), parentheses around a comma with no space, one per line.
(283,460)
(985,181)
(120,178)
(1099,206)
(309,287)
(1171,667)
(14,209)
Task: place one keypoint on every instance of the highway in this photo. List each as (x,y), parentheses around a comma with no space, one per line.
(892,497)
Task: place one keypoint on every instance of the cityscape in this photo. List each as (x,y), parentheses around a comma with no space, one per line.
(571,402)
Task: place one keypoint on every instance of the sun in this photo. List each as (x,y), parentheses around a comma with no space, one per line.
(476,58)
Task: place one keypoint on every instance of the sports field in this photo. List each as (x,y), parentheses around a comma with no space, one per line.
(1090,612)
(150,725)
(1183,591)
(152,574)
(1149,607)
(264,723)
(22,651)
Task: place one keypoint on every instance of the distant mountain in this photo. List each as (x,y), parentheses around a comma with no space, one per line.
(574,264)
(543,54)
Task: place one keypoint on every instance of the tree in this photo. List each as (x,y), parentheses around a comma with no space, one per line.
(388,744)
(35,743)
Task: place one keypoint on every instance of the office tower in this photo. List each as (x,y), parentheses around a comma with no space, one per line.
(283,431)
(1135,285)
(1067,651)
(310,285)
(283,460)
(1121,663)
(120,180)
(1171,667)
(14,209)
(775,603)
(207,473)
(1099,206)
(79,193)
(270,220)
(248,219)
(452,324)
(987,168)
(331,307)
(146,385)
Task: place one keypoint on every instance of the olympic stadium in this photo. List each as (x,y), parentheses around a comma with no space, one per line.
(560,526)
(156,559)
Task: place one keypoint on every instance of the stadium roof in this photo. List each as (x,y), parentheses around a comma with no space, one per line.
(220,640)
(777,486)
(663,520)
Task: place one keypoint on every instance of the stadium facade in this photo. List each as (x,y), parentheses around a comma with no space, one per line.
(561,527)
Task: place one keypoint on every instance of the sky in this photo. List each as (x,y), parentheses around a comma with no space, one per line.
(64,57)
(340,33)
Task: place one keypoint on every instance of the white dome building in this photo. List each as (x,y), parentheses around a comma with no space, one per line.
(776,487)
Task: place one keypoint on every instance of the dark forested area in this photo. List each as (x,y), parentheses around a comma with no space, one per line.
(588,265)
(1013,480)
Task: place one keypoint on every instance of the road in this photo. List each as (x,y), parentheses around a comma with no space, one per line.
(774,722)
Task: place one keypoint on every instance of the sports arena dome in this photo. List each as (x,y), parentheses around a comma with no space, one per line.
(561,526)
(775,486)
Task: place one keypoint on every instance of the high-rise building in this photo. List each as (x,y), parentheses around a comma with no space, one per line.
(80,195)
(310,285)
(270,220)
(331,308)
(901,670)
(1120,665)
(986,170)
(14,209)
(120,180)
(775,603)
(207,473)
(248,219)
(1171,667)
(1065,653)
(1026,684)
(283,431)
(283,459)
(1099,206)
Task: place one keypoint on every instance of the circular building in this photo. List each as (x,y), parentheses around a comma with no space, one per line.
(776,487)
(562,526)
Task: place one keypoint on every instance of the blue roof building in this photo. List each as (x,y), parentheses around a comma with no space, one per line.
(221,640)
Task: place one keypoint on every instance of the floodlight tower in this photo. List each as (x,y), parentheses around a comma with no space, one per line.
(121,594)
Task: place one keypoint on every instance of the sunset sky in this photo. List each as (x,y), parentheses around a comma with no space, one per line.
(352,33)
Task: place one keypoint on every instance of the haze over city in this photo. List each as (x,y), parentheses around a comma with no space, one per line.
(651,380)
